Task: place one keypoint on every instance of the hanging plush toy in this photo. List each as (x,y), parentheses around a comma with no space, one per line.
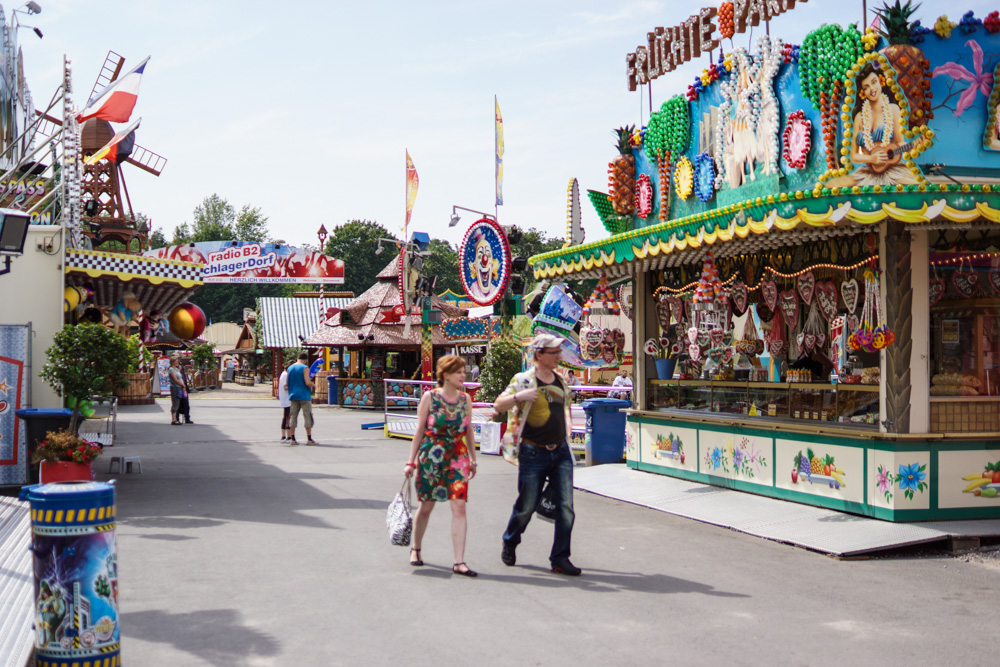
(150,326)
(123,311)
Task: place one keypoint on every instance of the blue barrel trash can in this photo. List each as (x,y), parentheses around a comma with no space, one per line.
(331,390)
(76,573)
(605,441)
(38,422)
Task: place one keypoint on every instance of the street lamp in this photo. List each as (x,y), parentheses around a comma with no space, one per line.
(322,234)
(455,217)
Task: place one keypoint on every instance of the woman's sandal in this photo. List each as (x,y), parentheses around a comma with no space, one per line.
(418,562)
(467,572)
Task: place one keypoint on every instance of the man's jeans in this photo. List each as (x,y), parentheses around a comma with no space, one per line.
(535,464)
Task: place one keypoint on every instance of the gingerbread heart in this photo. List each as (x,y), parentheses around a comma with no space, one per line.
(936,290)
(965,282)
(704,339)
(663,314)
(788,301)
(826,299)
(820,340)
(593,336)
(769,291)
(676,308)
(694,351)
(777,348)
(716,336)
(693,335)
(994,279)
(849,293)
(738,295)
(807,286)
(810,341)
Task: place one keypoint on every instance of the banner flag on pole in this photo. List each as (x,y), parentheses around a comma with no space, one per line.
(499,151)
(106,150)
(412,183)
(115,102)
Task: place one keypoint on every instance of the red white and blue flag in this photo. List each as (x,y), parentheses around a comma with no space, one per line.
(115,102)
(111,149)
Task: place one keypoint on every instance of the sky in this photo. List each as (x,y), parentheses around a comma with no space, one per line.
(305,109)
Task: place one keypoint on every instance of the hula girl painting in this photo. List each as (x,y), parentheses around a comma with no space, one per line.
(877,144)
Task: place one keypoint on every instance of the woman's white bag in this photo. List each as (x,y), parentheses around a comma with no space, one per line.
(398,520)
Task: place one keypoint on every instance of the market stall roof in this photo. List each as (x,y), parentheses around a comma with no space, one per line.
(777,221)
(367,315)
(160,285)
(284,320)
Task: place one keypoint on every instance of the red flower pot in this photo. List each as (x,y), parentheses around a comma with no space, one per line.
(64,471)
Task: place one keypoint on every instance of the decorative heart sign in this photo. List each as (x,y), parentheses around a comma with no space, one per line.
(715,354)
(716,336)
(704,339)
(800,340)
(810,341)
(593,336)
(738,296)
(807,286)
(936,289)
(994,278)
(788,301)
(769,290)
(849,292)
(826,299)
(764,313)
(820,340)
(853,322)
(693,335)
(663,314)
(676,308)
(965,282)
(694,352)
(777,348)
(727,354)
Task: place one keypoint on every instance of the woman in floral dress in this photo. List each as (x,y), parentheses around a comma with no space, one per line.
(443,453)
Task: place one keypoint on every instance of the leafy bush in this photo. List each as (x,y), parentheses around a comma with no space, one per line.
(133,355)
(203,356)
(85,360)
(502,361)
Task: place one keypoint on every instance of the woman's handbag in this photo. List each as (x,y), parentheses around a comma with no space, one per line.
(398,520)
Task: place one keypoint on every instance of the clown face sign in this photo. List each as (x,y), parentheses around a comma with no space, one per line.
(484,262)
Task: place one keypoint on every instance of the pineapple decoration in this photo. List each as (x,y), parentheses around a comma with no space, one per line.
(621,173)
(815,462)
(908,60)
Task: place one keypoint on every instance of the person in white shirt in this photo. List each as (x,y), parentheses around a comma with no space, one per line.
(474,374)
(285,401)
(621,380)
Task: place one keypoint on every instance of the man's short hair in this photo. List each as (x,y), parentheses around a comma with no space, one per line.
(303,356)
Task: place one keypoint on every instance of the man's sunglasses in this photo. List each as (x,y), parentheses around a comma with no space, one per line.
(555,351)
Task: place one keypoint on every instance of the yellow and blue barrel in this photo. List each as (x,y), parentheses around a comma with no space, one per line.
(76,574)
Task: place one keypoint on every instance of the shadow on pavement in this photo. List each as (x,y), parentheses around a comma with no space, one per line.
(214,635)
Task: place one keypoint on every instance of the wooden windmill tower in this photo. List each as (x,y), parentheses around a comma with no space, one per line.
(108,214)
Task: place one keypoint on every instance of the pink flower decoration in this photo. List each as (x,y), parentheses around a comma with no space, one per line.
(980,81)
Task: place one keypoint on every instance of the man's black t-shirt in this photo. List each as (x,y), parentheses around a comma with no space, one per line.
(546,422)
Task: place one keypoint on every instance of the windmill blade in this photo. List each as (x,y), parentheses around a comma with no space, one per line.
(147,160)
(109,72)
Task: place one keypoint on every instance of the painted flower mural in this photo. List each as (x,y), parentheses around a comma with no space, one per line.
(883,480)
(979,81)
(911,478)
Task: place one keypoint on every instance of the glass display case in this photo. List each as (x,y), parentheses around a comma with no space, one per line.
(842,403)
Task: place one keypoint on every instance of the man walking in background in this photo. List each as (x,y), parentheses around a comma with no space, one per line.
(300,393)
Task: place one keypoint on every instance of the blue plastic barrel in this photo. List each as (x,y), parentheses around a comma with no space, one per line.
(76,573)
(605,430)
(331,394)
(38,422)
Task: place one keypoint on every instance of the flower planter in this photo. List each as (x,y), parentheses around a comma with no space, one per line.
(64,471)
(665,368)
(137,392)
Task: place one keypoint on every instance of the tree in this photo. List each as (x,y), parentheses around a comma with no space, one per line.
(85,360)
(443,263)
(157,239)
(251,225)
(502,361)
(214,220)
(182,234)
(354,242)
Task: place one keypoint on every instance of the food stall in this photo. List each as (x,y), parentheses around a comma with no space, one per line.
(812,237)
(370,334)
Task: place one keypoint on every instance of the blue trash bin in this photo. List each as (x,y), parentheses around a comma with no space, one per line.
(38,422)
(331,390)
(76,573)
(605,430)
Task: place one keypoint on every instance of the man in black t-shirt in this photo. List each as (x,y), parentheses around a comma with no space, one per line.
(541,400)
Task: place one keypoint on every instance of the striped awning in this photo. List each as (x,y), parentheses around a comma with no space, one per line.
(285,320)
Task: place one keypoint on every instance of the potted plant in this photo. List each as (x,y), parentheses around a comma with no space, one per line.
(64,457)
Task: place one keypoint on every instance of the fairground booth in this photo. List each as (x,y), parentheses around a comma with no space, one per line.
(812,236)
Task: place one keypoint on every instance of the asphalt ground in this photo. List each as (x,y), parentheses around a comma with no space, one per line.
(235,549)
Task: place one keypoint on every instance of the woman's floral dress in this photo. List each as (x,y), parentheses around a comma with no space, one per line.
(443,457)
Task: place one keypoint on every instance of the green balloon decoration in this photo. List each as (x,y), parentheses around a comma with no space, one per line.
(825,56)
(669,129)
(87,409)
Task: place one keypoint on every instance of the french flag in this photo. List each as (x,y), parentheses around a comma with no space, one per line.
(116,101)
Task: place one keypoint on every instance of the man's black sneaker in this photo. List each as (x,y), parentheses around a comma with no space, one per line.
(508,555)
(565,567)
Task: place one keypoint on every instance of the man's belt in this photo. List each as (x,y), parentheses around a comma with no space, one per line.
(551,448)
